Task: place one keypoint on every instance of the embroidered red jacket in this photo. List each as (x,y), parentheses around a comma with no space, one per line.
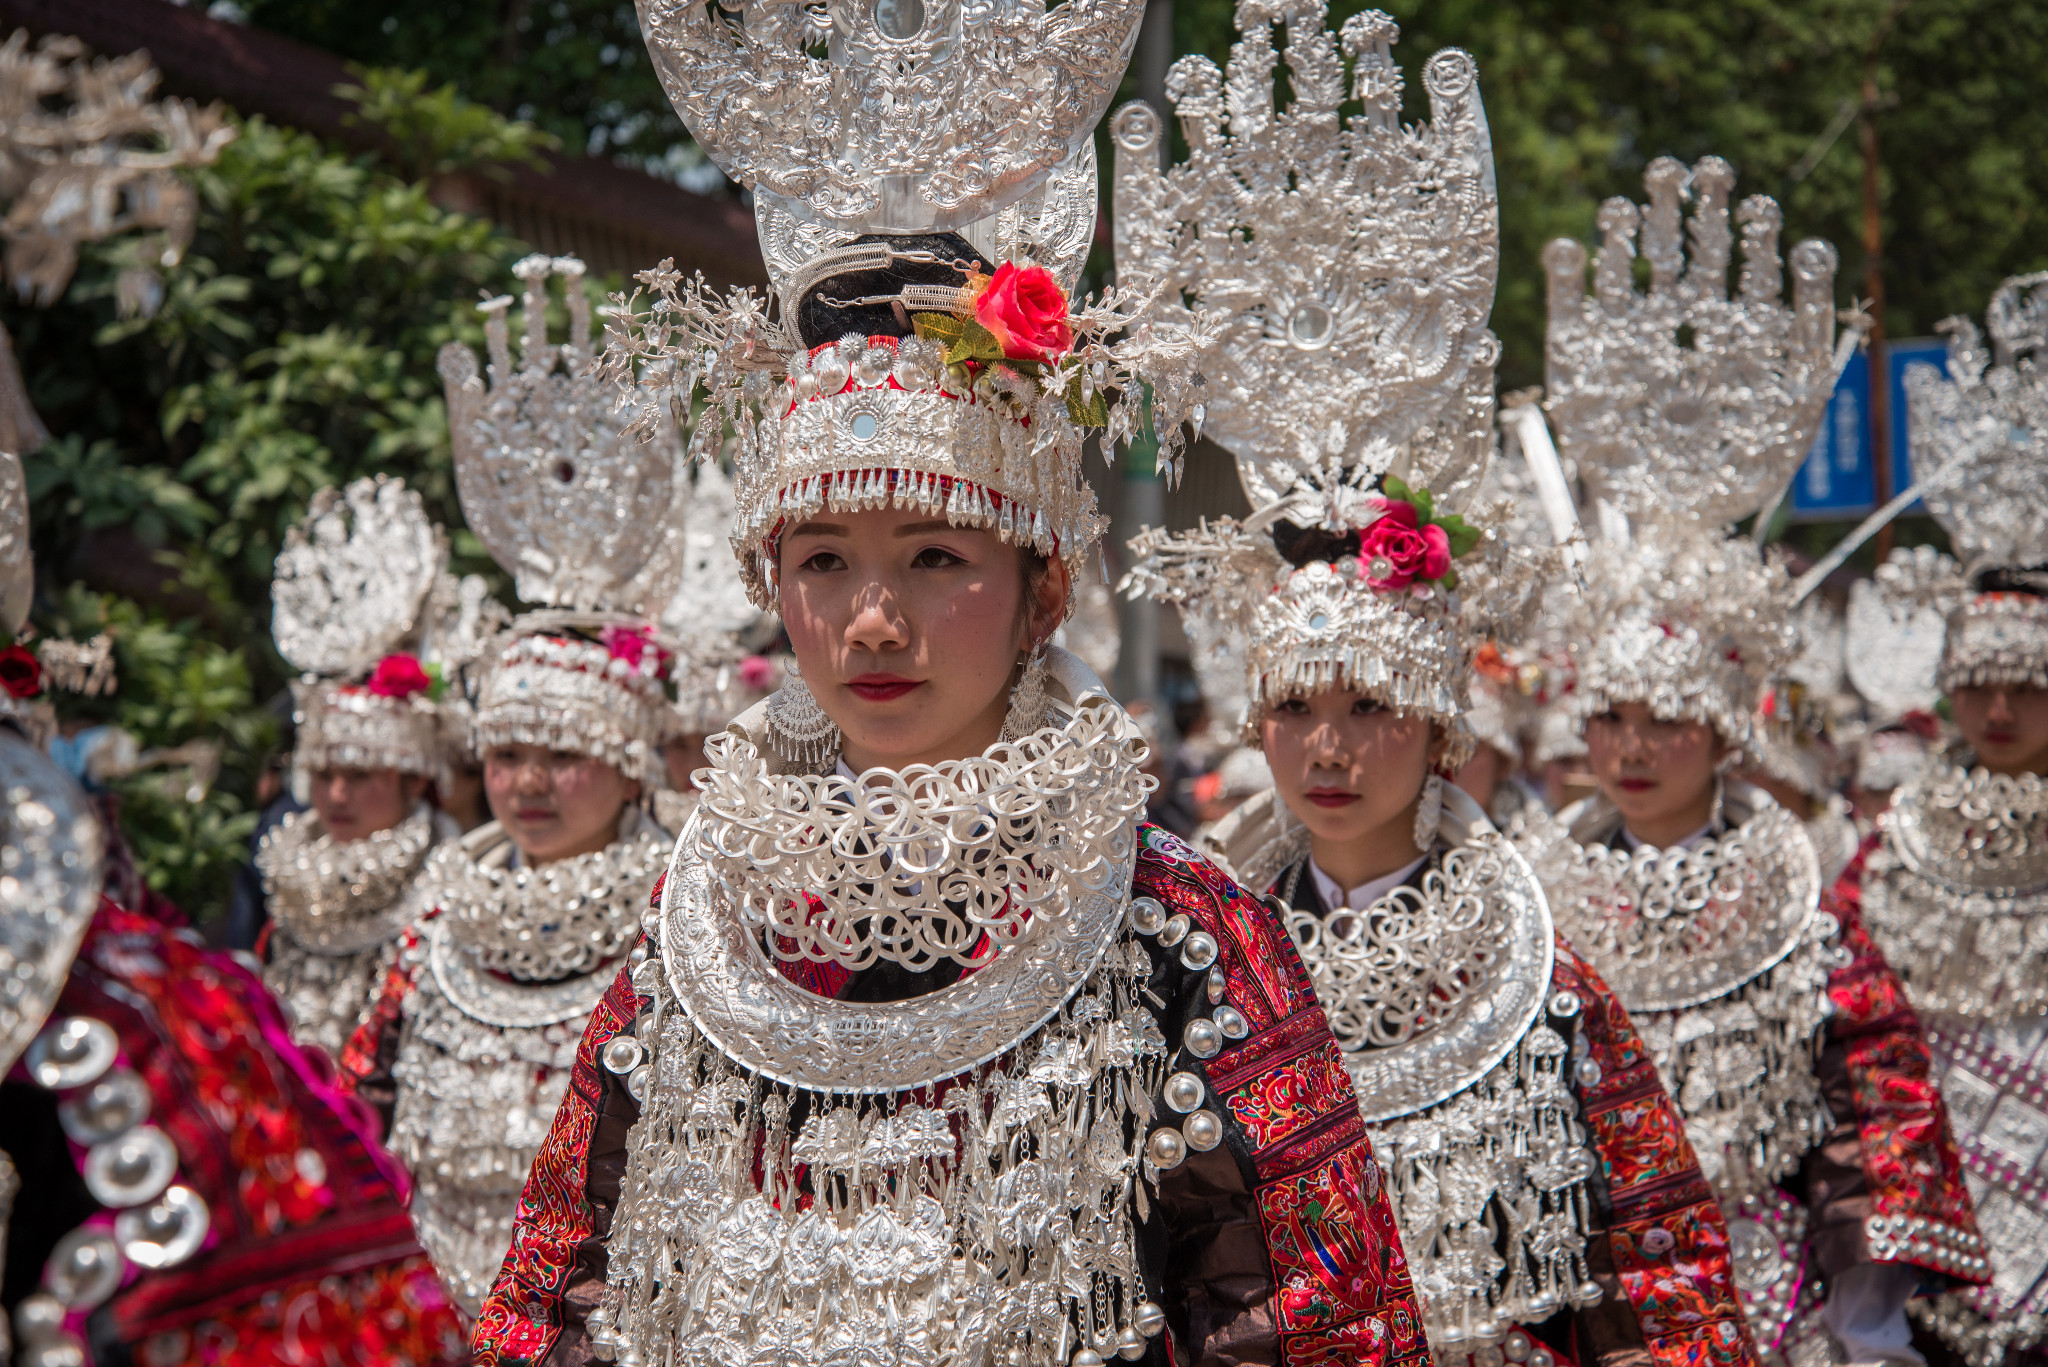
(1887,1185)
(310,1255)
(1279,1246)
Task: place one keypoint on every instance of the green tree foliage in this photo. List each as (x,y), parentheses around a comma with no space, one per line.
(294,349)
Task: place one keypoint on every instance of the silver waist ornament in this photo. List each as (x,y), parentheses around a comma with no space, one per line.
(337,909)
(485,1055)
(1957,897)
(1440,995)
(1721,955)
(976,1159)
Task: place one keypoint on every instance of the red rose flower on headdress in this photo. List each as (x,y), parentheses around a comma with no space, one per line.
(398,676)
(1026,311)
(21,673)
(1395,551)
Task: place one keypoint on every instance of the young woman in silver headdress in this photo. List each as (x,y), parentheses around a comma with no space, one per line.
(355,583)
(1955,886)
(934,1052)
(1548,1201)
(1773,1020)
(468,1047)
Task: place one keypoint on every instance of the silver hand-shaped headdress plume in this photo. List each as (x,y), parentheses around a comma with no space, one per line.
(1980,434)
(922,115)
(17,564)
(1688,403)
(578,512)
(1358,262)
(352,581)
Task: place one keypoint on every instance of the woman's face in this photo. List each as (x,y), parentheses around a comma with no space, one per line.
(909,631)
(1346,765)
(2006,724)
(1659,774)
(554,804)
(355,803)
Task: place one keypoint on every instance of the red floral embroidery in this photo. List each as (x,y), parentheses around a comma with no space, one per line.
(1680,1281)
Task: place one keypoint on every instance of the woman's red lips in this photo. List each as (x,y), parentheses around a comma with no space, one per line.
(1330,797)
(1999,737)
(882,687)
(1636,785)
(535,814)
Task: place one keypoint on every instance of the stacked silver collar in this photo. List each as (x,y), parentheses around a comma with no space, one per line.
(1957,896)
(339,897)
(1721,955)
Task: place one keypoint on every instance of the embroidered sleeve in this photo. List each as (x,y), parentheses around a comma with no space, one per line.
(556,1262)
(1913,1205)
(1665,1233)
(1335,1286)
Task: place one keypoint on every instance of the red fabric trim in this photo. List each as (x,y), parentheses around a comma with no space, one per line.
(1909,1150)
(1683,1293)
(522,1316)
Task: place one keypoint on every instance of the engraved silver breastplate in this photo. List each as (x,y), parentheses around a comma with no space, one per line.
(1721,956)
(956,1177)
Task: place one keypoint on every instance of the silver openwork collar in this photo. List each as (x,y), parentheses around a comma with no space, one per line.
(547,923)
(1026,852)
(956,861)
(1432,985)
(338,897)
(1673,928)
(1957,896)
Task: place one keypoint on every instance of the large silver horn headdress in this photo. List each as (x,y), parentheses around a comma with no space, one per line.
(924,183)
(350,590)
(588,521)
(1980,447)
(1687,402)
(1684,408)
(1355,263)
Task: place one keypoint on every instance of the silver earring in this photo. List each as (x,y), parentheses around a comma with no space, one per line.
(1429,813)
(1028,701)
(797,727)
(1720,794)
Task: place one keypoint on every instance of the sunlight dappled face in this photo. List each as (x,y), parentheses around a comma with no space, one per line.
(909,631)
(1346,765)
(1658,774)
(555,804)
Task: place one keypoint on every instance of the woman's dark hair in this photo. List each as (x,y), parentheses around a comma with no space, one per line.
(2014,579)
(1300,546)
(826,312)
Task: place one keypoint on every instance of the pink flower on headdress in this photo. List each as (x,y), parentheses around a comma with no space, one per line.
(398,676)
(1395,551)
(638,648)
(757,672)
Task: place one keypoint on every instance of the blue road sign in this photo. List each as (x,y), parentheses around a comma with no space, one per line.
(1839,478)
(1898,355)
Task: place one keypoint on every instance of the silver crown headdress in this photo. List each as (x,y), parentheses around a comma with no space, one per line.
(350,589)
(1685,408)
(1980,448)
(919,120)
(1356,261)
(587,520)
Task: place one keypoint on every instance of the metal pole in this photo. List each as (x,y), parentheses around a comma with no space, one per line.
(1873,277)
